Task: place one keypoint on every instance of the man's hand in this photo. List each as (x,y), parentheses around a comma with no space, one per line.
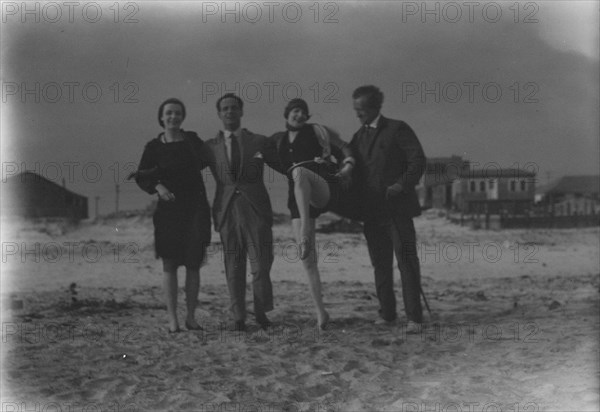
(393,191)
(164,193)
(345,175)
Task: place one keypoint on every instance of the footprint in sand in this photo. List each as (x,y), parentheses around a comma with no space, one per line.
(318,391)
(380,342)
(335,355)
(350,365)
(125,387)
(259,371)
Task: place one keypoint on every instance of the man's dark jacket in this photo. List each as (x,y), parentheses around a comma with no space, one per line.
(394,155)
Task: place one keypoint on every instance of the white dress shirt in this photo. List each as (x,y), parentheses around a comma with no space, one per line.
(373,124)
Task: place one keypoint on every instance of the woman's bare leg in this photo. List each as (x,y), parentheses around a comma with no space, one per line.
(170,285)
(312,270)
(192,286)
(309,189)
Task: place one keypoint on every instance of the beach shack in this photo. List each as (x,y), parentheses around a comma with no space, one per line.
(33,196)
(570,195)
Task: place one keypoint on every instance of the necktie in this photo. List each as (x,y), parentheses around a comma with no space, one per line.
(365,139)
(235,157)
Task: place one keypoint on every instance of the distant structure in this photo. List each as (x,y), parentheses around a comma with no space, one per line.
(31,195)
(450,183)
(496,198)
(570,195)
(435,187)
(494,191)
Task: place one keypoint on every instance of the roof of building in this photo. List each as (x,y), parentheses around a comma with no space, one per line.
(437,164)
(28,176)
(443,170)
(494,173)
(446,159)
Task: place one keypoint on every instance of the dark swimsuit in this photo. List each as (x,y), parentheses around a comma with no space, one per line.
(304,149)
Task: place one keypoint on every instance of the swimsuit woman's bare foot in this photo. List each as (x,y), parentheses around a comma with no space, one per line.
(304,247)
(323,323)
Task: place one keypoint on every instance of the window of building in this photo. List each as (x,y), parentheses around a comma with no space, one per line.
(522,185)
(491,184)
(513,186)
(482,186)
(472,186)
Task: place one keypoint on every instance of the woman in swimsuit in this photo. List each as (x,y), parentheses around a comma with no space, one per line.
(303,153)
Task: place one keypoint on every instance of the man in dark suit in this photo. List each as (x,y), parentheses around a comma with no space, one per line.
(242,212)
(389,163)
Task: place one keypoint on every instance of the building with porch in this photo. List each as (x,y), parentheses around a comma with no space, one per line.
(494,191)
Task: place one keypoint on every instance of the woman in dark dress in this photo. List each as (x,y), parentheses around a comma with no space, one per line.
(171,167)
(302,153)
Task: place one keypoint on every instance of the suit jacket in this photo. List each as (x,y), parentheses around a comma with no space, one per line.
(394,155)
(249,183)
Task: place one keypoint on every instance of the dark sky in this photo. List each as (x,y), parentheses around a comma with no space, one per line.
(505,84)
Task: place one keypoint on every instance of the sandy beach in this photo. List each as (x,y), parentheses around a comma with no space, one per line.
(514,325)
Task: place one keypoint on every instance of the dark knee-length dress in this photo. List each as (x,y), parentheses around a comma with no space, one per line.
(182,228)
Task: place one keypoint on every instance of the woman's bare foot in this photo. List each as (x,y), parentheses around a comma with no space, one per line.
(174,327)
(304,247)
(324,321)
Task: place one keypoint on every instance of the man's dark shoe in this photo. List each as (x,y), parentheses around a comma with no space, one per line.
(236,326)
(264,322)
(411,327)
(384,322)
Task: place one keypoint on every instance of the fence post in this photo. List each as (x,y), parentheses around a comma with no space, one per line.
(552,214)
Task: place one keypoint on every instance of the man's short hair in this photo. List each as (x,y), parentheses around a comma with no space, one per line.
(230,96)
(372,93)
